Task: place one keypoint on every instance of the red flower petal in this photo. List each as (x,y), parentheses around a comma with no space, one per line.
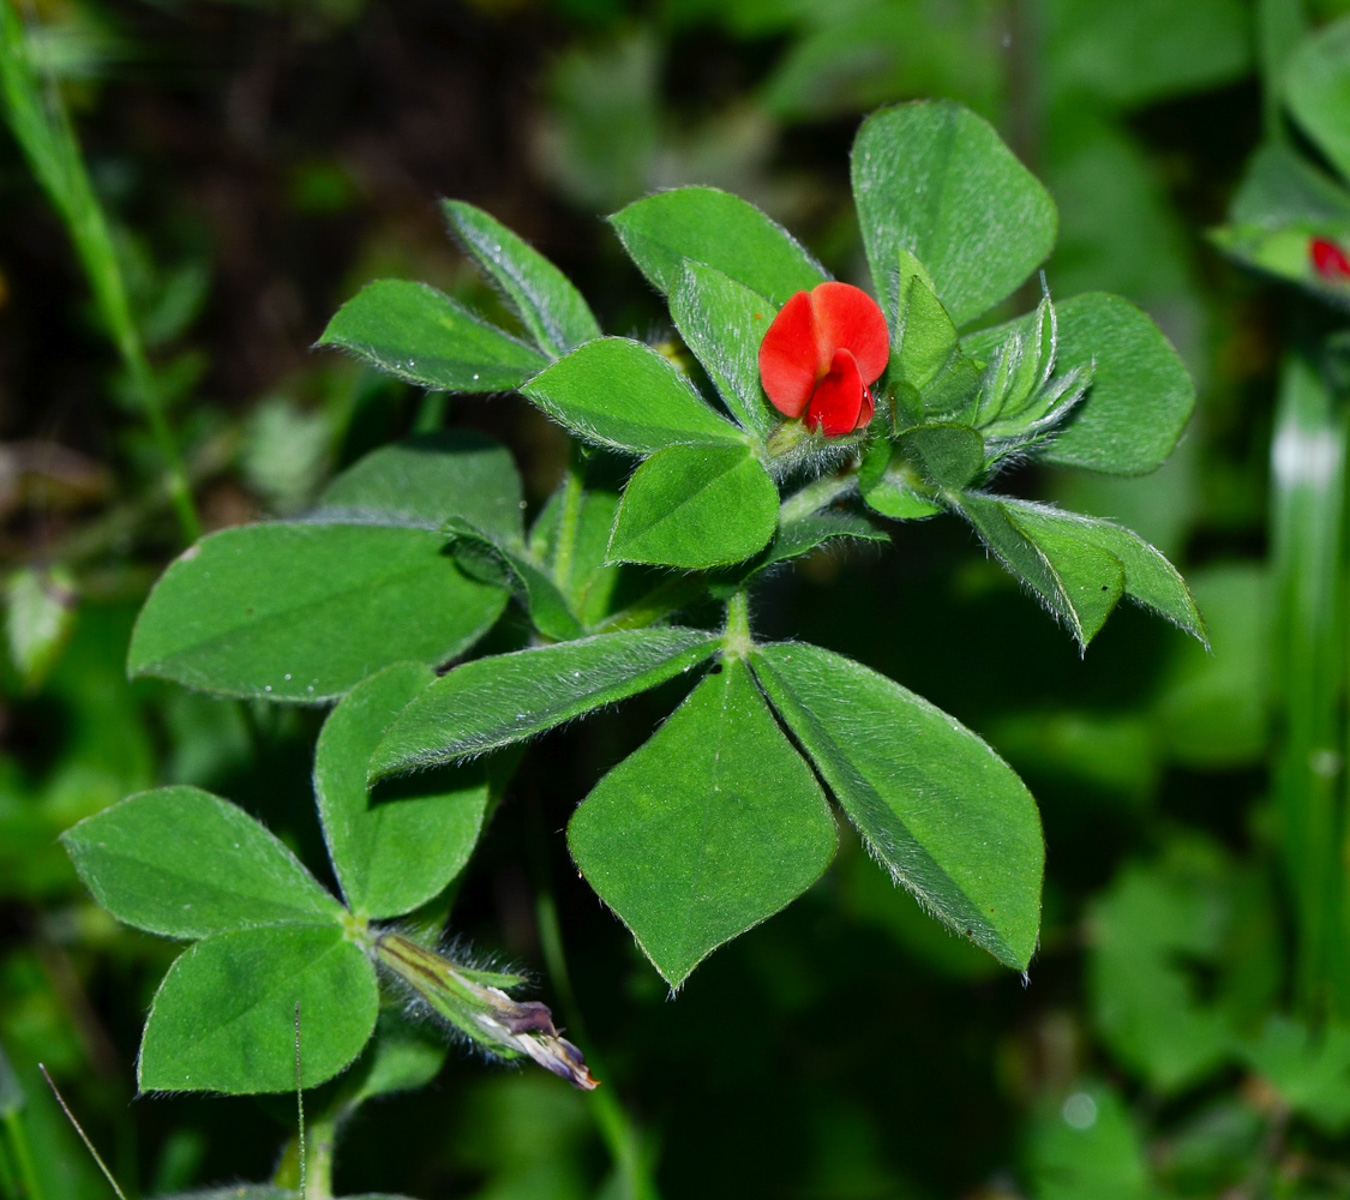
(790,357)
(849,319)
(1328,259)
(840,399)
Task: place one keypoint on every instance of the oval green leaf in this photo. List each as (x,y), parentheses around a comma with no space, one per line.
(397,849)
(713,825)
(619,393)
(705,225)
(181,862)
(1317,87)
(947,817)
(224,1018)
(934,179)
(412,331)
(305,611)
(695,507)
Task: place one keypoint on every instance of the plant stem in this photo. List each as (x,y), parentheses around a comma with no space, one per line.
(1308,463)
(816,495)
(42,128)
(568,521)
(23,1155)
(320,1141)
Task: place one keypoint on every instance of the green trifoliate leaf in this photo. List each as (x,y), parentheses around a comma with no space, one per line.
(493,702)
(1078,583)
(619,393)
(1140,396)
(723,323)
(695,507)
(552,309)
(224,1019)
(507,563)
(938,808)
(936,180)
(713,825)
(304,611)
(420,335)
(398,849)
(184,863)
(719,230)
(1317,87)
(426,480)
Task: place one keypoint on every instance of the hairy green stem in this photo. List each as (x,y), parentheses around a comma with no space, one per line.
(319,1146)
(816,495)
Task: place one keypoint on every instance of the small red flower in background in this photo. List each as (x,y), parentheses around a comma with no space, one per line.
(819,355)
(1329,260)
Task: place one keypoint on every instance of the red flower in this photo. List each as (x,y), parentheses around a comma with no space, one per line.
(822,350)
(1329,260)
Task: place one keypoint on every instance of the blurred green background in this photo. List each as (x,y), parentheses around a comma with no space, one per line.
(258,163)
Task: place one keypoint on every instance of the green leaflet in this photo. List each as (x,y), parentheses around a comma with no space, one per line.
(619,393)
(695,507)
(181,862)
(1149,579)
(713,825)
(493,702)
(224,1019)
(396,850)
(942,812)
(303,611)
(1080,583)
(936,180)
(412,331)
(719,230)
(554,312)
(723,322)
